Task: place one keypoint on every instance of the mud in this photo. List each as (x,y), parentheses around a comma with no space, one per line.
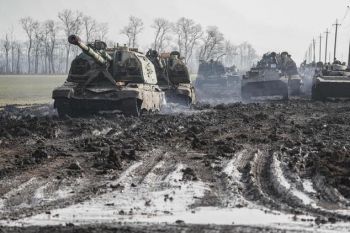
(272,166)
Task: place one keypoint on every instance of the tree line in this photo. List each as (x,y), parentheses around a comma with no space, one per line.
(46,50)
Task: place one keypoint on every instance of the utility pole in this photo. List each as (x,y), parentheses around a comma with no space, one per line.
(335,41)
(310,53)
(349,56)
(326,49)
(320,52)
(314,47)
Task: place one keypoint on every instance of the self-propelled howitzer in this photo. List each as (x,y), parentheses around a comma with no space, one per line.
(102,78)
(173,77)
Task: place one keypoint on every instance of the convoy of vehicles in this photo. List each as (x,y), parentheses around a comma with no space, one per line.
(124,79)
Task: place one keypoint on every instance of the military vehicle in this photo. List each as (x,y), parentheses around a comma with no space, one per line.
(332,81)
(173,77)
(215,81)
(274,75)
(102,78)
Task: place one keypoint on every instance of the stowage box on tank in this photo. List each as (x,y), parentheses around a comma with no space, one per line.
(102,78)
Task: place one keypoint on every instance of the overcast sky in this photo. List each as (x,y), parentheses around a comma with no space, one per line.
(269,25)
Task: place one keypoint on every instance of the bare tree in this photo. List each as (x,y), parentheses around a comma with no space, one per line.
(247,55)
(51,28)
(46,42)
(102,31)
(188,34)
(162,29)
(7,46)
(213,44)
(19,53)
(90,27)
(252,55)
(13,50)
(132,30)
(47,52)
(38,40)
(231,53)
(12,42)
(71,23)
(28,25)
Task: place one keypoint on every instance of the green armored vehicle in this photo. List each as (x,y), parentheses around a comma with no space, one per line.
(215,81)
(102,78)
(274,75)
(173,77)
(331,81)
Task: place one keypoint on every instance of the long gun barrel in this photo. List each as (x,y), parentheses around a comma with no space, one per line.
(75,40)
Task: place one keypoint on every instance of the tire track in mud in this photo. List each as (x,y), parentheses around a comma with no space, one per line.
(153,187)
(265,182)
(223,163)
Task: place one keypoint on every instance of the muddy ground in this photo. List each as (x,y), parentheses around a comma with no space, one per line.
(274,166)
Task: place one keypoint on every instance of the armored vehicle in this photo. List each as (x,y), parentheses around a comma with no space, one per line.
(332,81)
(173,77)
(102,78)
(215,81)
(274,75)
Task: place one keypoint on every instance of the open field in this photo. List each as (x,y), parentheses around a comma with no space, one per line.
(28,89)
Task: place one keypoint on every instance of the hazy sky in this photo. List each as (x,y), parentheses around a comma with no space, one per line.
(267,24)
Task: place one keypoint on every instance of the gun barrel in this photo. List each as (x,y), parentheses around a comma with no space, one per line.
(75,40)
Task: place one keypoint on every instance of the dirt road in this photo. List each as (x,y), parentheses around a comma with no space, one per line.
(274,166)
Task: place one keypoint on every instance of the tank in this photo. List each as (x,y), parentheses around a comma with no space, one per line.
(215,81)
(104,79)
(274,75)
(331,81)
(173,77)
